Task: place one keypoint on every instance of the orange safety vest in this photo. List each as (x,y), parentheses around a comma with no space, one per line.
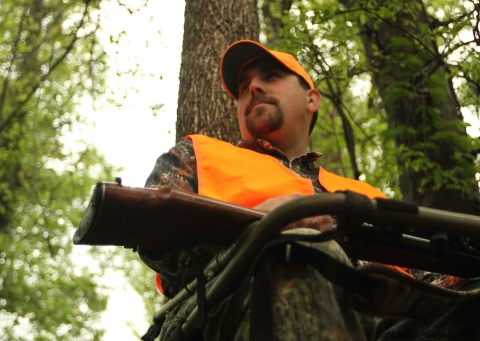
(247,178)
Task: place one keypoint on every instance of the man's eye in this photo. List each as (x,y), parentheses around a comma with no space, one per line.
(242,87)
(272,74)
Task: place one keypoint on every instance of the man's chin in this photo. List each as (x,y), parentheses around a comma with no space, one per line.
(261,122)
(262,132)
(257,111)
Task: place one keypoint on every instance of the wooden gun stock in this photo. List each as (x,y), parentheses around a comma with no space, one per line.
(165,219)
(160,218)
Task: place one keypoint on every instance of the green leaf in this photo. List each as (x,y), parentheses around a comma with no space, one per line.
(363,18)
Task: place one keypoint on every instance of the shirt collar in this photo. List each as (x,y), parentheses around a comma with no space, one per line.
(264,147)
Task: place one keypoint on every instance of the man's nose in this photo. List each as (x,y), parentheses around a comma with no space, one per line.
(256,86)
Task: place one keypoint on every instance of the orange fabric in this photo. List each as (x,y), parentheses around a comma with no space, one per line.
(401,269)
(243,52)
(332,183)
(241,176)
(247,178)
(158,282)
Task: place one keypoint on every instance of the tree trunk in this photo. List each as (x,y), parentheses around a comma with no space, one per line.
(210,26)
(434,158)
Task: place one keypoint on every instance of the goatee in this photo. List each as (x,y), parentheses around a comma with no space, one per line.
(266,118)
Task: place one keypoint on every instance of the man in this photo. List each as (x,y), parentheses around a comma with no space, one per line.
(277,106)
(277,109)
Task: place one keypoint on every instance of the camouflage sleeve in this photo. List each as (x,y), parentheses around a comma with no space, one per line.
(177,168)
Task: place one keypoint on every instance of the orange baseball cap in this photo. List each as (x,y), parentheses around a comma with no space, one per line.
(243,52)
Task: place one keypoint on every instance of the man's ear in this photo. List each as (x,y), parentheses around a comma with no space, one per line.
(314,98)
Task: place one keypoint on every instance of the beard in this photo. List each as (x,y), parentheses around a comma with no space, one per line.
(265,119)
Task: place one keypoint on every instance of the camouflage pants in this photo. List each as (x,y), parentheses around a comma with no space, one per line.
(304,306)
(460,323)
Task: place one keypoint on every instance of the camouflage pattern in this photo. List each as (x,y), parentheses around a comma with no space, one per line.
(305,306)
(460,323)
(178,169)
(434,278)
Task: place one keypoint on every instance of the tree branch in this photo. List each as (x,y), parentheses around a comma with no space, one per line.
(435,23)
(17,110)
(347,127)
(10,67)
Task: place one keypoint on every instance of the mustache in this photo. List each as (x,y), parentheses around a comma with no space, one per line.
(259,98)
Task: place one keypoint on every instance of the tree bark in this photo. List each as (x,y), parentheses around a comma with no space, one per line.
(210,26)
(418,93)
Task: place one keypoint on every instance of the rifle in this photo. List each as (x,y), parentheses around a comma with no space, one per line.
(380,230)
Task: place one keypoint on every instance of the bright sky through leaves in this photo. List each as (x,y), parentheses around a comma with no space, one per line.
(133,135)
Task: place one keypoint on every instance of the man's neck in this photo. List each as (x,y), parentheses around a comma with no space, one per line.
(291,150)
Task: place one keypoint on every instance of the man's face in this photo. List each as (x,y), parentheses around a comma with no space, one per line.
(271,103)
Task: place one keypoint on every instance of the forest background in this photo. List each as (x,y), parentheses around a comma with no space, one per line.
(400,81)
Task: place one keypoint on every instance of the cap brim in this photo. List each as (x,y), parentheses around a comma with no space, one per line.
(235,57)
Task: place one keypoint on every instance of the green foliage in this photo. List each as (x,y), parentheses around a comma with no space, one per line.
(49,59)
(328,44)
(438,178)
(385,68)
